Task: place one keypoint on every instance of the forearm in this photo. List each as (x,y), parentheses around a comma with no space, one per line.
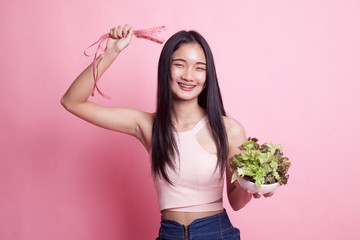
(83,85)
(238,198)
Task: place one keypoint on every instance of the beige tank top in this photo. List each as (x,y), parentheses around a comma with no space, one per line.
(196,177)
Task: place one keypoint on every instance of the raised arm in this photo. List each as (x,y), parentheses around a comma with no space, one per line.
(125,120)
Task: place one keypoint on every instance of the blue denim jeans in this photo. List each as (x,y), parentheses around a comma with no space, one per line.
(215,227)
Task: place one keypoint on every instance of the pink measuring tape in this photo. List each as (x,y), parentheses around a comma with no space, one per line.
(149,34)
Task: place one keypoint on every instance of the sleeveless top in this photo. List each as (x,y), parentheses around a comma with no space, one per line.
(197,179)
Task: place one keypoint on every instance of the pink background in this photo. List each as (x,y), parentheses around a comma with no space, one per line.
(289,72)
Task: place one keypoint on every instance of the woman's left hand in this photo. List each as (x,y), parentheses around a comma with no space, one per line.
(258,195)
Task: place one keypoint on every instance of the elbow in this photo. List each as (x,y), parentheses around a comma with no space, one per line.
(65,103)
(237,207)
(70,105)
(62,102)
(239,199)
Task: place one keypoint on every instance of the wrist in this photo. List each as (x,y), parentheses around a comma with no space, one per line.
(111,53)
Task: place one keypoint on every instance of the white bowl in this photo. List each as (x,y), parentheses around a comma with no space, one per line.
(265,188)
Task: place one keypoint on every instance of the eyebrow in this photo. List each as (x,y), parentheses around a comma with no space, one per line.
(183,60)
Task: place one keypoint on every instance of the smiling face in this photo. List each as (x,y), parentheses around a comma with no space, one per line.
(188,72)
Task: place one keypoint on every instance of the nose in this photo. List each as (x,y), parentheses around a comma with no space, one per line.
(187,74)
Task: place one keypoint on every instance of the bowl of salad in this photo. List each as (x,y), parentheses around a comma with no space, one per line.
(260,168)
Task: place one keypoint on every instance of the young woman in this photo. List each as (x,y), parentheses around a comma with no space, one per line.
(189,138)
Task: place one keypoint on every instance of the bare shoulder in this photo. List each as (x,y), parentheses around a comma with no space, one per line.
(233,128)
(235,132)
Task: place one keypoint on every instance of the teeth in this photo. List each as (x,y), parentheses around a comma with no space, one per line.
(186,86)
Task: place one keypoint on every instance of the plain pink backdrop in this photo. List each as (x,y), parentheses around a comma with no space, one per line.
(288,70)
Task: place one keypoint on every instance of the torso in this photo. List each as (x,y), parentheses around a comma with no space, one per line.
(185,218)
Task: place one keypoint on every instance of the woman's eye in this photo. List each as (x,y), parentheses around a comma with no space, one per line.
(200,69)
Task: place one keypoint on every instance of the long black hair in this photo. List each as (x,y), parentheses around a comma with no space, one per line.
(164,146)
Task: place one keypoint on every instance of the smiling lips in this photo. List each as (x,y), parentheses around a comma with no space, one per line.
(186,87)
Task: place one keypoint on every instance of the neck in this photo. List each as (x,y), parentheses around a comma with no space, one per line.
(186,111)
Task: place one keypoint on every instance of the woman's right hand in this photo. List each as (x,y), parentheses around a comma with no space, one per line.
(120,38)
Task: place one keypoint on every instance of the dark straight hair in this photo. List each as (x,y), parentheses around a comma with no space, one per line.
(164,146)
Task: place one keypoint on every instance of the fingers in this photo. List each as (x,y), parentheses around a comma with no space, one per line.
(120,38)
(121,31)
(269,194)
(257,195)
(126,30)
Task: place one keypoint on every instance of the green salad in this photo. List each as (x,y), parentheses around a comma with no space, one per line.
(261,164)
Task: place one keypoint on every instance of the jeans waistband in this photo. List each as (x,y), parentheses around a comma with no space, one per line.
(211,227)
